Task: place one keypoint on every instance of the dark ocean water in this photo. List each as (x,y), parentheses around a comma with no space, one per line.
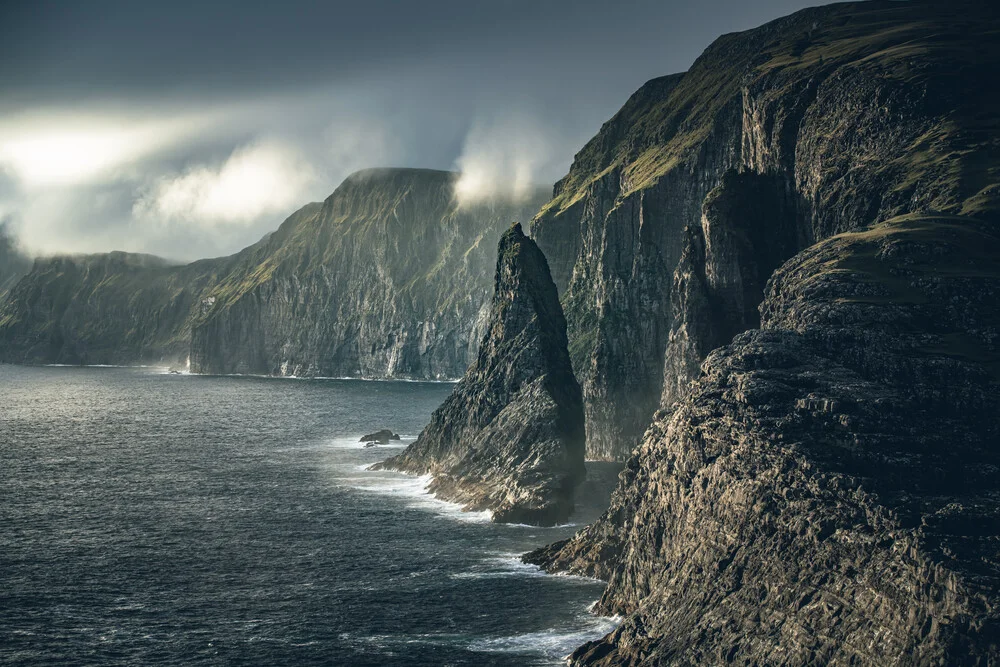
(148,518)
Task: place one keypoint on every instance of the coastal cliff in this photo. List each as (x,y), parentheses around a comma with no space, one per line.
(662,234)
(389,277)
(13,262)
(510,437)
(827,490)
(786,278)
(111,308)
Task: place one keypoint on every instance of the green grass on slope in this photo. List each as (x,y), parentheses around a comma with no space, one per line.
(666,125)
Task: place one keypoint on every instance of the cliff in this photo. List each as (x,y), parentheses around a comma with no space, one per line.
(113,308)
(662,234)
(788,259)
(826,492)
(389,277)
(510,437)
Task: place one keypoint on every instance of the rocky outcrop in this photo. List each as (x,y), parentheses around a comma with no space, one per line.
(510,437)
(389,277)
(380,437)
(827,491)
(746,232)
(829,120)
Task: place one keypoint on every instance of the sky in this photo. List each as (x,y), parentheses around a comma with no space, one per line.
(191,129)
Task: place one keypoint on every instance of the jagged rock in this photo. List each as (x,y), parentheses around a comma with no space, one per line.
(510,437)
(828,490)
(380,437)
(834,118)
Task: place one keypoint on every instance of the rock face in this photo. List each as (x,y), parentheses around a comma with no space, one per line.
(832,119)
(510,437)
(113,308)
(389,277)
(827,491)
(381,437)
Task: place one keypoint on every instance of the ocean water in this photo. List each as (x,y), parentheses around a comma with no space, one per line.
(157,519)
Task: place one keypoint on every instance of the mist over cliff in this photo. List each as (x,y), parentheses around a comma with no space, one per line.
(13,262)
(389,277)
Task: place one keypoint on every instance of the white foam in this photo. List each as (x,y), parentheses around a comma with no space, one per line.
(502,566)
(414,491)
(556,643)
(306,377)
(511,565)
(105,366)
(354,442)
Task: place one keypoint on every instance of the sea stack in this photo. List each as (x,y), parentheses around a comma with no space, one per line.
(510,438)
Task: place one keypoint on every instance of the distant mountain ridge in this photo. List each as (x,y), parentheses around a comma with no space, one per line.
(389,277)
(292,303)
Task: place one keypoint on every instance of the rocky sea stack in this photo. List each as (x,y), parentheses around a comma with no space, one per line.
(510,438)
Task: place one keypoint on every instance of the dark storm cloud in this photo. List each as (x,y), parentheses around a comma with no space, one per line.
(137,125)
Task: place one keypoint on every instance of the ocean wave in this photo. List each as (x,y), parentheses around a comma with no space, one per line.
(414,491)
(510,565)
(555,643)
(328,378)
(106,366)
(354,442)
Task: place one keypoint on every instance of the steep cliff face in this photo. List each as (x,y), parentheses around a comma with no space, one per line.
(510,437)
(111,308)
(389,277)
(828,120)
(827,492)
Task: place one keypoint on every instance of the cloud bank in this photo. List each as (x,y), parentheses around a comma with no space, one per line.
(263,178)
(505,157)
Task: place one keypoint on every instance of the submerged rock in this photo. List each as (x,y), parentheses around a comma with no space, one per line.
(510,437)
(381,437)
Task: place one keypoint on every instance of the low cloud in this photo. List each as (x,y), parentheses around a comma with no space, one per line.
(504,157)
(259,179)
(57,149)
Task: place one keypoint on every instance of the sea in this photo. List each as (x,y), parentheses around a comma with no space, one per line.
(151,518)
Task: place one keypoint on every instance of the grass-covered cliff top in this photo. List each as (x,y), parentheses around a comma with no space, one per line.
(949,51)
